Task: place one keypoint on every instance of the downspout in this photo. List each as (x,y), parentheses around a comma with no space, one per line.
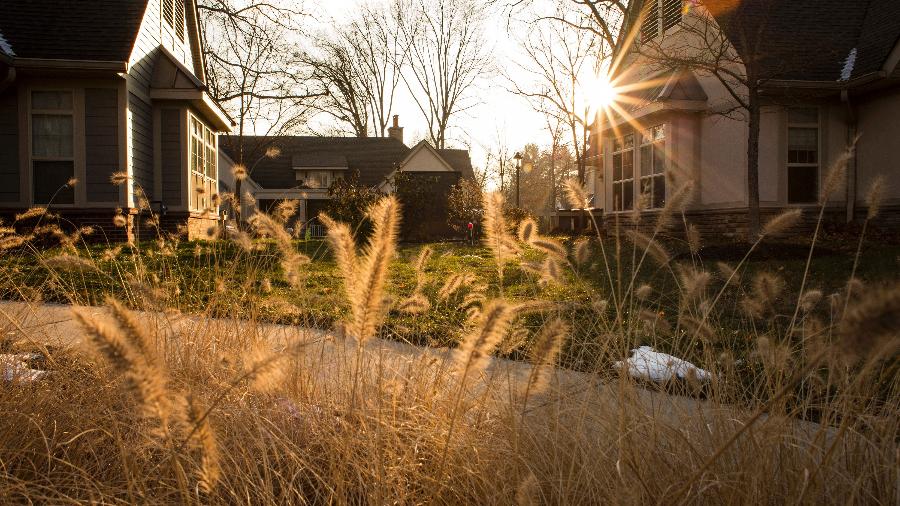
(850,186)
(9,77)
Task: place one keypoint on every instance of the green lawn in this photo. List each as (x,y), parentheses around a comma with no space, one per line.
(218,279)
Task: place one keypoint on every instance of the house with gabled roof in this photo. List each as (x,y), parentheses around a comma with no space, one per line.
(304,168)
(828,75)
(93,88)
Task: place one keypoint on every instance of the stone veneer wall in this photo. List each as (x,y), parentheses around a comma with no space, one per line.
(732,224)
(187,225)
(70,219)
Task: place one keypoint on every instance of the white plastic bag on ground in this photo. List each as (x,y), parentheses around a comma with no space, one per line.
(15,368)
(649,364)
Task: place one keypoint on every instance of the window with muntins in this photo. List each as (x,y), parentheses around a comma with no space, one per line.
(653,167)
(203,164)
(319,179)
(803,155)
(623,173)
(52,146)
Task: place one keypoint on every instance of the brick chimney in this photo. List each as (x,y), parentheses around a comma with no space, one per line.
(396,131)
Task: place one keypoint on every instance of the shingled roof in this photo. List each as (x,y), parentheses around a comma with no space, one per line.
(459,159)
(98,30)
(372,159)
(812,40)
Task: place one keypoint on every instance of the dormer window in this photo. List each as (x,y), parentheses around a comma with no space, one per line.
(659,16)
(173,16)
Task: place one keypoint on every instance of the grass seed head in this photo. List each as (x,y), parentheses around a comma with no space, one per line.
(527,230)
(781,223)
(874,197)
(872,324)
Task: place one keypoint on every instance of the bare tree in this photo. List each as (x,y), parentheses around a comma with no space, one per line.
(252,72)
(448,55)
(560,61)
(601,18)
(498,157)
(358,68)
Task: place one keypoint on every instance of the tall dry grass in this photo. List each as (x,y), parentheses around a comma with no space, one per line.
(149,405)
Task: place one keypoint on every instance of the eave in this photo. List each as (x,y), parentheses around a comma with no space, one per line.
(202,101)
(657,107)
(82,65)
(826,85)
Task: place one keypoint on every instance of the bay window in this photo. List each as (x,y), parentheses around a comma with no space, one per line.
(52,146)
(203,165)
(653,167)
(623,173)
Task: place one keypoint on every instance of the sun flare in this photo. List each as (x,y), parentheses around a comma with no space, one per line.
(605,93)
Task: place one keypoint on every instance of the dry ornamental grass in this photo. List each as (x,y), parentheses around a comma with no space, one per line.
(146,404)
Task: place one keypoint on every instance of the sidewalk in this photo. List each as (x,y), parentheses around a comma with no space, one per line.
(576,394)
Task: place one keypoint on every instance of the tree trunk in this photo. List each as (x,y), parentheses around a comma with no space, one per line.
(753,225)
(238,211)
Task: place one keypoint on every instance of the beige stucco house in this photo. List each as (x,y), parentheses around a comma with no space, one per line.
(829,74)
(88,89)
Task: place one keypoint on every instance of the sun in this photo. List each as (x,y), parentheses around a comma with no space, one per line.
(604,93)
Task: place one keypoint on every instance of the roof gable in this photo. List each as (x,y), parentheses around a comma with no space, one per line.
(426,159)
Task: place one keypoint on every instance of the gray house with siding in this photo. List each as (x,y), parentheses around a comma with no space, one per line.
(92,88)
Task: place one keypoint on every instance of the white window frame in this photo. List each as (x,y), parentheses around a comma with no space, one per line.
(620,148)
(207,160)
(317,176)
(788,164)
(32,112)
(653,138)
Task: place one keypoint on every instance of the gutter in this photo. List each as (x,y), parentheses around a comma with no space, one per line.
(827,85)
(852,129)
(8,79)
(54,64)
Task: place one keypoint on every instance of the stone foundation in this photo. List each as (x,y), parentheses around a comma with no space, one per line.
(191,226)
(724,225)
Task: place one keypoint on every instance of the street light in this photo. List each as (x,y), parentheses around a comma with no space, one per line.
(518,158)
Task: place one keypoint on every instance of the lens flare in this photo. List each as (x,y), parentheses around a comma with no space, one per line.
(605,93)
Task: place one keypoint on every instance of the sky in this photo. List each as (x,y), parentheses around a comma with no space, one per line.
(500,113)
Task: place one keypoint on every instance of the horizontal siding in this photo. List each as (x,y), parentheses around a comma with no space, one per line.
(101,139)
(9,146)
(171,140)
(141,119)
(146,49)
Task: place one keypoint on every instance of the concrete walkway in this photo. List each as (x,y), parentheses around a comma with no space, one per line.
(579,395)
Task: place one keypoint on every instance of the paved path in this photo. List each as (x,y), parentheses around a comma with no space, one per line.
(580,395)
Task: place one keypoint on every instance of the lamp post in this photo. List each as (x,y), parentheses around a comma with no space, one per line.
(518,158)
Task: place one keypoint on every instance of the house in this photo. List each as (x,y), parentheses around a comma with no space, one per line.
(93,88)
(828,74)
(304,168)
